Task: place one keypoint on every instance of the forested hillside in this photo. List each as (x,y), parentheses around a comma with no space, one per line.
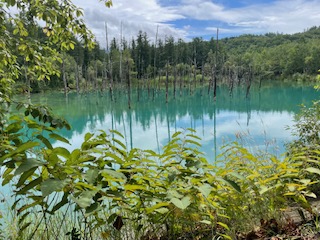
(228,60)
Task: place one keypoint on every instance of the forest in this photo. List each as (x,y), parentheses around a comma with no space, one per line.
(231,61)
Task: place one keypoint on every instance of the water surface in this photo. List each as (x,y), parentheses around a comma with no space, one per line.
(259,121)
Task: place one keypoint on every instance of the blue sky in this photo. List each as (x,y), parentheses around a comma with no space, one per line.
(199,18)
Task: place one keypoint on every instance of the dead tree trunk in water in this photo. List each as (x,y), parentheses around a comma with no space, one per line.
(167,81)
(138,90)
(210,81)
(174,82)
(28,83)
(159,79)
(195,71)
(109,63)
(77,78)
(180,82)
(64,77)
(154,63)
(190,79)
(230,82)
(214,78)
(202,79)
(249,79)
(129,84)
(120,66)
(216,68)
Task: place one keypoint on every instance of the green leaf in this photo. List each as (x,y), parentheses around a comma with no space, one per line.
(60,204)
(206,222)
(45,141)
(91,175)
(232,184)
(157,206)
(52,185)
(74,157)
(205,189)
(85,199)
(88,136)
(112,174)
(129,187)
(63,152)
(223,225)
(58,138)
(21,149)
(14,127)
(29,186)
(27,165)
(183,203)
(162,210)
(313,170)
(24,176)
(176,134)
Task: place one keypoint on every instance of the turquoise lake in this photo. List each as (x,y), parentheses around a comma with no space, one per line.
(259,121)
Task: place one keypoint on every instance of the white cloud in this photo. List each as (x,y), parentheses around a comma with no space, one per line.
(275,16)
(135,16)
(279,16)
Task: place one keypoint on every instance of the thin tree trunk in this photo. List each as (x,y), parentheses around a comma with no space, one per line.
(159,80)
(195,74)
(129,84)
(180,83)
(249,82)
(202,79)
(28,83)
(77,78)
(216,68)
(214,84)
(190,81)
(175,82)
(96,76)
(231,83)
(167,81)
(64,76)
(154,63)
(120,68)
(109,63)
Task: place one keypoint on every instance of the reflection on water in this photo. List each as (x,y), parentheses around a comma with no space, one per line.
(262,118)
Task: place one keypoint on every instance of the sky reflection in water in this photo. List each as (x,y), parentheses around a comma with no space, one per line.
(261,120)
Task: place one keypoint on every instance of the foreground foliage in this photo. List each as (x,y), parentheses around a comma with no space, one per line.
(117,193)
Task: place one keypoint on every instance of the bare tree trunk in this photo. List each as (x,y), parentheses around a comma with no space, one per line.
(64,77)
(249,79)
(77,78)
(195,74)
(214,84)
(129,84)
(216,68)
(159,80)
(138,90)
(175,82)
(109,63)
(210,82)
(120,68)
(28,83)
(154,63)
(202,79)
(167,81)
(148,85)
(231,83)
(95,76)
(180,83)
(190,80)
